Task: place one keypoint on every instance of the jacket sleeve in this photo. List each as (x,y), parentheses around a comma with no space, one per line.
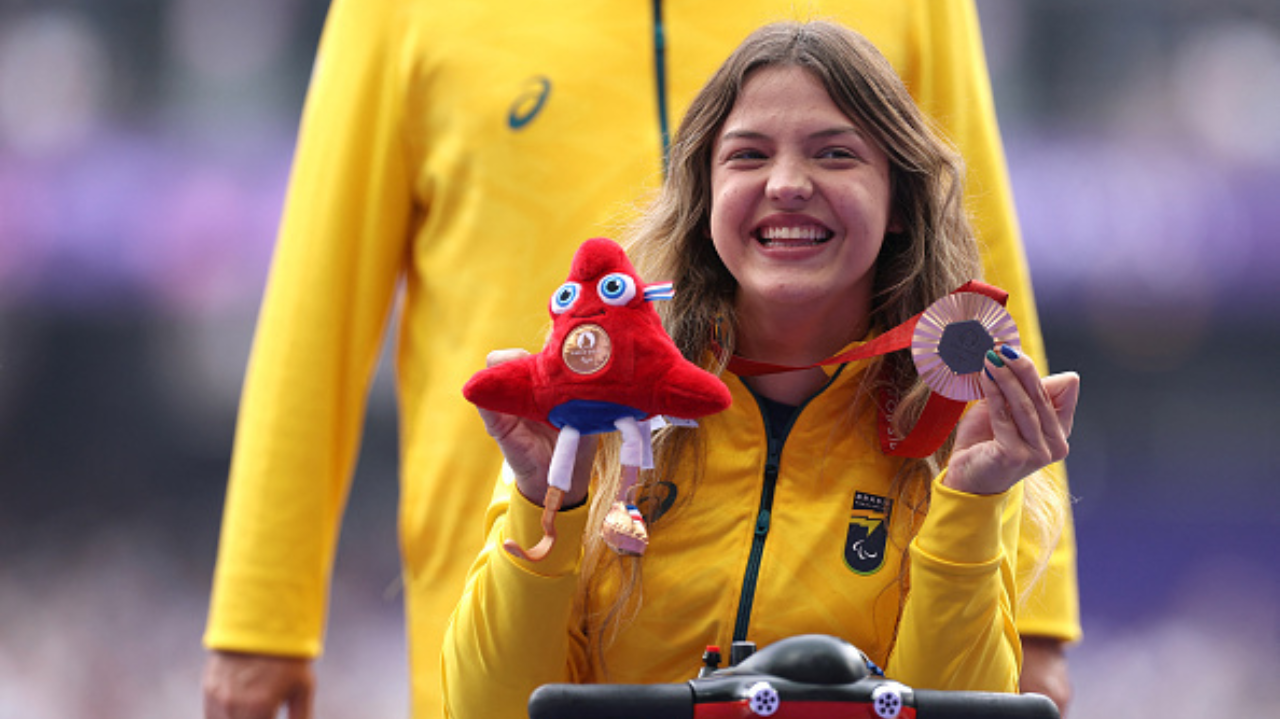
(950,80)
(339,252)
(514,628)
(957,627)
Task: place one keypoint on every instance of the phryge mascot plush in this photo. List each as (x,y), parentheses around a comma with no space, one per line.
(607,366)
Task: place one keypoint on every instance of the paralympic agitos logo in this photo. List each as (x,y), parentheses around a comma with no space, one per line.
(864,544)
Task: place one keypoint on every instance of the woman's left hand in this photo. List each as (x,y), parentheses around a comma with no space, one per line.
(1021,425)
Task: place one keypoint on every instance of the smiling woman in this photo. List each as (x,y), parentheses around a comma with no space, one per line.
(808,207)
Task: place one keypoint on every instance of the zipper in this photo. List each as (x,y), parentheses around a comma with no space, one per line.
(759,535)
(660,81)
(764,515)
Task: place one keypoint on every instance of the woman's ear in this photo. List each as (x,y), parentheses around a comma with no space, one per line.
(896,225)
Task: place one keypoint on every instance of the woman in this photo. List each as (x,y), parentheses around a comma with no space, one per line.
(809,207)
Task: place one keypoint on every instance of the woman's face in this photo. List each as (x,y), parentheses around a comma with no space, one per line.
(800,198)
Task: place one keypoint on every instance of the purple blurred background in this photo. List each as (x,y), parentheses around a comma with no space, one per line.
(144,150)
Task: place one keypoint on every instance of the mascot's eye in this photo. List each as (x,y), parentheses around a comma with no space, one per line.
(617,289)
(564,297)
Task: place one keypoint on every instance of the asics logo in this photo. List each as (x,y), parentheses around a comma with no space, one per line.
(529,102)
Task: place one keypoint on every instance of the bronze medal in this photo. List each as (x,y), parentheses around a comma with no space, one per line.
(586,349)
(951,340)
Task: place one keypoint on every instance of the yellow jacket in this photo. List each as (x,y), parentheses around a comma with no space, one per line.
(776,539)
(451,157)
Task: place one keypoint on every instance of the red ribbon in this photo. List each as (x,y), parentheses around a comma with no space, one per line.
(940,413)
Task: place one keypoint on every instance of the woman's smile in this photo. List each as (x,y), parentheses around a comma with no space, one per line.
(792,235)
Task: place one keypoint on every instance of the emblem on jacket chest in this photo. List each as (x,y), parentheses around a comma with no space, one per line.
(868,534)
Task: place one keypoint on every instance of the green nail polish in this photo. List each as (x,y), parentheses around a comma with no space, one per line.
(994,358)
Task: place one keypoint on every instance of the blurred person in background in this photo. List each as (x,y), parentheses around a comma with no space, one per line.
(451,158)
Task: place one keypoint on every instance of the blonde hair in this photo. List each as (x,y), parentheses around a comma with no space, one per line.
(932,254)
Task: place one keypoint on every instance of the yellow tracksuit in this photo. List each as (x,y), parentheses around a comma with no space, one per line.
(777,539)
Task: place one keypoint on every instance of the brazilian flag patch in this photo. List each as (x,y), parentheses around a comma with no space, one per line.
(864,544)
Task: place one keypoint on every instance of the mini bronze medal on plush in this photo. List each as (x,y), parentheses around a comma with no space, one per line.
(951,340)
(587,349)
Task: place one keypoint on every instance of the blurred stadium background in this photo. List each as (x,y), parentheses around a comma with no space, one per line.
(144,150)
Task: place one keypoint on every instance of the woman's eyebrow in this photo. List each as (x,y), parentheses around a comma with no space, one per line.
(820,134)
(839,130)
(743,135)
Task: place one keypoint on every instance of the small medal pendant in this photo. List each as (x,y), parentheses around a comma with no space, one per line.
(624,530)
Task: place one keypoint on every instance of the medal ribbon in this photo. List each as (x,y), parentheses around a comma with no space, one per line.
(940,413)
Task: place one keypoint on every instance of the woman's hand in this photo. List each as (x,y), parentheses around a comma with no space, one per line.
(528,446)
(1021,425)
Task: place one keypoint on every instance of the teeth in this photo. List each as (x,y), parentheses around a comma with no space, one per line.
(807,234)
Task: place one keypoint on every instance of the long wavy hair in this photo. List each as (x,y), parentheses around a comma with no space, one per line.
(933,253)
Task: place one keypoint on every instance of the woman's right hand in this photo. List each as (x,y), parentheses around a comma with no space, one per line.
(1023,423)
(528,446)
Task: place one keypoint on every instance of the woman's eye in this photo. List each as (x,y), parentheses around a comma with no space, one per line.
(564,297)
(838,153)
(617,289)
(745,154)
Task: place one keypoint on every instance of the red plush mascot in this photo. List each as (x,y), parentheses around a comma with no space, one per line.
(607,366)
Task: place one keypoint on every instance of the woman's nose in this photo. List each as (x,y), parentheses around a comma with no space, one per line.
(789,181)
